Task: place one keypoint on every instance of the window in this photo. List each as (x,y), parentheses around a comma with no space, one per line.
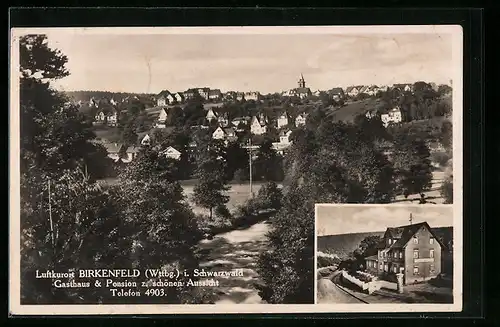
(431,240)
(415,270)
(380,254)
(432,269)
(386,268)
(401,255)
(415,240)
(381,266)
(415,254)
(390,241)
(431,253)
(394,269)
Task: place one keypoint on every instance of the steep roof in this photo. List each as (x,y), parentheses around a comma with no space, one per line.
(112,147)
(403,234)
(163,93)
(214,92)
(372,257)
(336,90)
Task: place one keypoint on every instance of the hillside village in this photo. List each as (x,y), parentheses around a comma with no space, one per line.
(244,117)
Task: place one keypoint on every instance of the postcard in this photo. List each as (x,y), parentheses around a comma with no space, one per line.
(191,170)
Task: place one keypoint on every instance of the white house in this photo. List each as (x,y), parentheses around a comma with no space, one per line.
(179,97)
(392,116)
(172,153)
(130,154)
(300,120)
(285,137)
(215,94)
(255,96)
(164,97)
(282,120)
(112,118)
(204,92)
(218,134)
(211,115)
(223,119)
(353,91)
(146,140)
(256,127)
(240,96)
(162,116)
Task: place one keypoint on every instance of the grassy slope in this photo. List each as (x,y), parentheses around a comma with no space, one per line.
(343,245)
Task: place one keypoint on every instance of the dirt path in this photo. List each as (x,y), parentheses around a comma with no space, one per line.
(238,249)
(328,292)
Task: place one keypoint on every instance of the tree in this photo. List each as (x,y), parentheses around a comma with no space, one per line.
(211,164)
(367,247)
(76,215)
(446,136)
(237,160)
(412,163)
(163,227)
(268,164)
(287,267)
(446,190)
(270,196)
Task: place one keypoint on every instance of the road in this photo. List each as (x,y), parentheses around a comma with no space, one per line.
(329,292)
(238,249)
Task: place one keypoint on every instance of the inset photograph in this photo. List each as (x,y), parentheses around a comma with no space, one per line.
(384,253)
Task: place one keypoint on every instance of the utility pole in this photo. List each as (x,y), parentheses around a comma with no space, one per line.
(50,217)
(411,218)
(250,163)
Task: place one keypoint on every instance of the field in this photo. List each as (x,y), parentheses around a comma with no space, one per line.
(353,109)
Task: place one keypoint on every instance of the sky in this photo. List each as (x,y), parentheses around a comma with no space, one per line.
(336,220)
(149,63)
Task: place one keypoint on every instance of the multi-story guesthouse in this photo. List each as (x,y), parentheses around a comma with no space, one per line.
(412,250)
(393,116)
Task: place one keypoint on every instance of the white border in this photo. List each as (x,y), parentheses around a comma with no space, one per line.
(457,304)
(15,308)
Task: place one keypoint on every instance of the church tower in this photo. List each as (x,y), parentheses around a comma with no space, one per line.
(302,82)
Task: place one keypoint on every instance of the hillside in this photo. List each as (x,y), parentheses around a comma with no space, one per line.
(87,95)
(351,110)
(343,245)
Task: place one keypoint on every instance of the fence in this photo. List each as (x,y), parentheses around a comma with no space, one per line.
(369,287)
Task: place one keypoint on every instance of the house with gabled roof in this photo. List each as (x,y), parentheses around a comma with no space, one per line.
(282,120)
(413,250)
(392,116)
(257,127)
(337,93)
(300,120)
(204,92)
(211,115)
(163,98)
(214,94)
(171,153)
(353,91)
(403,87)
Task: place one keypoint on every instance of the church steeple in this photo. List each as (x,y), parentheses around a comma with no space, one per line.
(302,82)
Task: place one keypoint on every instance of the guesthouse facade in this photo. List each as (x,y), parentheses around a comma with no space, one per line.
(412,250)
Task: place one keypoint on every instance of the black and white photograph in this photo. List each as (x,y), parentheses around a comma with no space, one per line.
(184,165)
(384,254)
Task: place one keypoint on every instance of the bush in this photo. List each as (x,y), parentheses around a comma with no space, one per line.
(326,261)
(269,197)
(441,158)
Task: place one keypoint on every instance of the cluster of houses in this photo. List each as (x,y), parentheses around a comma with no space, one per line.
(391,116)
(166,97)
